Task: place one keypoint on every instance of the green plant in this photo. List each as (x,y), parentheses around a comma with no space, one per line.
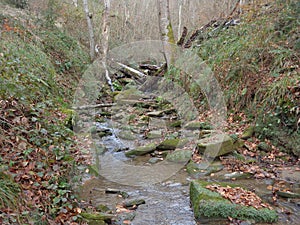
(9,192)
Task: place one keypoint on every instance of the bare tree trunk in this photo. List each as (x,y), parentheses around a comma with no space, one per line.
(105,40)
(165,25)
(179,19)
(90,29)
(165,28)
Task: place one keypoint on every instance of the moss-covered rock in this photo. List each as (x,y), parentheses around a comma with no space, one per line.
(154,134)
(197,170)
(172,144)
(218,145)
(196,125)
(179,156)
(248,132)
(209,204)
(96,216)
(142,150)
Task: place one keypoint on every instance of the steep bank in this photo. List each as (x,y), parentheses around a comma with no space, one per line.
(40,66)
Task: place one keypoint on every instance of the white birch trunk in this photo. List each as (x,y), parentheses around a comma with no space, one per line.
(179,19)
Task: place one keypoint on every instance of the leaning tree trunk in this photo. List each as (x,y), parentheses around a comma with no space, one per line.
(89,16)
(105,40)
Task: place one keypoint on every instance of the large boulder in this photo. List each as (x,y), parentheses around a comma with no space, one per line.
(210,204)
(218,145)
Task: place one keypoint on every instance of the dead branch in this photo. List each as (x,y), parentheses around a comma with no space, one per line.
(93,106)
(183,36)
(131,71)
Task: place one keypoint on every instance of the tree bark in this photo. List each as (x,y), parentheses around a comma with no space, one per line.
(165,25)
(88,16)
(105,40)
(179,19)
(165,28)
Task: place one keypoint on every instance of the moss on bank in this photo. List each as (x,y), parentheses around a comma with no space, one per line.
(209,204)
(39,69)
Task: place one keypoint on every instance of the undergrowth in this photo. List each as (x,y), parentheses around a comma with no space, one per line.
(39,67)
(257,64)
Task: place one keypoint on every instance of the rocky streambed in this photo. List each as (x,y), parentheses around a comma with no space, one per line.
(146,156)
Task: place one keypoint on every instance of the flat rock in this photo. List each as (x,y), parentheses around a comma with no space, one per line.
(179,156)
(142,150)
(196,125)
(203,169)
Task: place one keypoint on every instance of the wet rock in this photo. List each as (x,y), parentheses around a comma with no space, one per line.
(126,135)
(154,160)
(217,145)
(248,132)
(237,175)
(96,216)
(209,204)
(288,194)
(196,125)
(143,150)
(175,124)
(125,217)
(172,144)
(116,191)
(134,203)
(154,134)
(203,169)
(99,131)
(179,156)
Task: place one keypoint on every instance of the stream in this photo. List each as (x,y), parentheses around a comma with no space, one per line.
(167,202)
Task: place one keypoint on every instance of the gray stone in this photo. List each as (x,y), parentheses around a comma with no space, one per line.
(154,160)
(142,150)
(154,134)
(196,125)
(179,156)
(217,145)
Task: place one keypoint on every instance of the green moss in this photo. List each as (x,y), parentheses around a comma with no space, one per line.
(211,204)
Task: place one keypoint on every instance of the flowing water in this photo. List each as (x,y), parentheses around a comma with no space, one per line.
(167,202)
